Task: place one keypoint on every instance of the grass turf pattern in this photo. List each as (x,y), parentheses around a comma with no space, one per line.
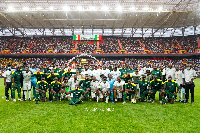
(61,117)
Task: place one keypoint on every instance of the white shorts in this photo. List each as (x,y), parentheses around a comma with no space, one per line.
(27,85)
(101,95)
(119,94)
(93,95)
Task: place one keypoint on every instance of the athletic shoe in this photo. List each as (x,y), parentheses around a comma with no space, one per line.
(70,104)
(163,102)
(148,101)
(192,103)
(153,102)
(20,100)
(24,99)
(34,99)
(7,100)
(29,99)
(160,101)
(36,102)
(75,104)
(113,102)
(124,102)
(14,100)
(51,101)
(106,101)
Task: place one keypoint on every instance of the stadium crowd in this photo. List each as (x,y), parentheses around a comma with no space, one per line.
(110,45)
(99,80)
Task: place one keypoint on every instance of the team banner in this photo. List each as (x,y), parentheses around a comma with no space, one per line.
(87,37)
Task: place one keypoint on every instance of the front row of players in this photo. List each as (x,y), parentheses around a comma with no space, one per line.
(121,91)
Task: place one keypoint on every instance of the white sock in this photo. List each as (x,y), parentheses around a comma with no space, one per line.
(116,100)
(29,94)
(25,93)
(107,98)
(97,98)
(61,95)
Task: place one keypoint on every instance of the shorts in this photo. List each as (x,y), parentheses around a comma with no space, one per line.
(27,85)
(33,83)
(100,94)
(119,94)
(93,95)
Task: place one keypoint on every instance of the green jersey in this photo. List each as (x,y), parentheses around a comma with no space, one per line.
(85,84)
(131,86)
(143,85)
(126,78)
(131,71)
(56,86)
(80,69)
(158,73)
(56,70)
(17,75)
(42,85)
(50,78)
(61,73)
(156,85)
(39,75)
(171,86)
(68,74)
(46,70)
(77,93)
(123,71)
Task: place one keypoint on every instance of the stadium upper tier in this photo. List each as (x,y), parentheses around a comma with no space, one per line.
(108,45)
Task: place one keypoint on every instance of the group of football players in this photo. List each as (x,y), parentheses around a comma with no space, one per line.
(99,83)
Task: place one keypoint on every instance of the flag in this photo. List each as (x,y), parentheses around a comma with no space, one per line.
(76,37)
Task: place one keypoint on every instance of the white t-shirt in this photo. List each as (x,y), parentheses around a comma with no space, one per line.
(115,74)
(104,86)
(170,72)
(73,83)
(119,85)
(94,85)
(189,74)
(179,77)
(105,72)
(7,75)
(26,76)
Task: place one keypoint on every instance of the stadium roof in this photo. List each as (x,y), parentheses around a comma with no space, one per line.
(99,14)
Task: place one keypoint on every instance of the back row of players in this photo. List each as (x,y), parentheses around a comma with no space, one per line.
(100,83)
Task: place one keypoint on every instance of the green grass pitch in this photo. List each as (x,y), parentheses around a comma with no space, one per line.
(59,116)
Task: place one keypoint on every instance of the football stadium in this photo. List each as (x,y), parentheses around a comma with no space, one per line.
(99,66)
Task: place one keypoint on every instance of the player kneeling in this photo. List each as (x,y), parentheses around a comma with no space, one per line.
(65,88)
(41,88)
(104,90)
(170,90)
(55,89)
(130,89)
(118,89)
(77,95)
(94,85)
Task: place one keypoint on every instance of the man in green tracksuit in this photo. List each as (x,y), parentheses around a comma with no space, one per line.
(170,90)
(16,83)
(77,93)
(85,84)
(50,78)
(156,72)
(41,88)
(143,84)
(55,89)
(155,85)
(131,89)
(68,74)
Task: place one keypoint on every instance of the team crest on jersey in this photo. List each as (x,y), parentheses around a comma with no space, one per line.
(172,84)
